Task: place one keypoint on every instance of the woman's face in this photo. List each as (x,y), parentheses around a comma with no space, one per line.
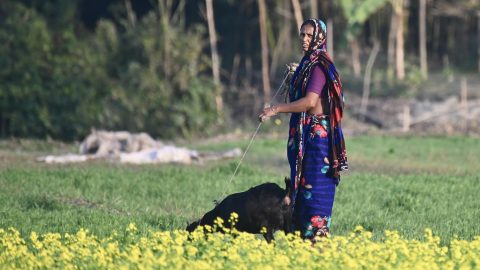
(306,36)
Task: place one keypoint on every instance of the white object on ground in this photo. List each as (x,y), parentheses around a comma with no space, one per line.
(137,148)
(166,154)
(68,158)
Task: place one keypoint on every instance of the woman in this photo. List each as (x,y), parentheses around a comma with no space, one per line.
(316,149)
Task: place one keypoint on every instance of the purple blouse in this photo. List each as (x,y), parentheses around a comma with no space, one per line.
(317,81)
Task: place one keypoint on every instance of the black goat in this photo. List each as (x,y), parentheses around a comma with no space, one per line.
(263,206)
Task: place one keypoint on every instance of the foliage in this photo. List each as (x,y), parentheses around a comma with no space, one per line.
(159,87)
(356,12)
(60,82)
(52,84)
(235,250)
(67,66)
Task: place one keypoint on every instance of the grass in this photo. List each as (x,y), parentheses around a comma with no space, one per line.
(404,183)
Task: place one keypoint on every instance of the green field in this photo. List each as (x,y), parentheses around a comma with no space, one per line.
(394,183)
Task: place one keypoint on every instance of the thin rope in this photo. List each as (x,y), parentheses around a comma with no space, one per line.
(251,140)
(243,156)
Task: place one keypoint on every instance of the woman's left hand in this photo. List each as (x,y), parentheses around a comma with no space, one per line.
(267,113)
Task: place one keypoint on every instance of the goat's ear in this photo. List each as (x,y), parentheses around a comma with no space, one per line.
(287,183)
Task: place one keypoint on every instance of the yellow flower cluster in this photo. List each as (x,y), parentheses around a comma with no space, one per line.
(231,250)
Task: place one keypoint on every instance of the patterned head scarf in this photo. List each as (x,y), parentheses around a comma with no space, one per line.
(319,34)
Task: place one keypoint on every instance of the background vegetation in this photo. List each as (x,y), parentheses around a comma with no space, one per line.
(144,65)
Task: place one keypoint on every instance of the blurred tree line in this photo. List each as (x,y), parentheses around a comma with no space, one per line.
(58,78)
(186,68)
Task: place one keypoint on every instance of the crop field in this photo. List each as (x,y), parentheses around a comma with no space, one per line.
(406,201)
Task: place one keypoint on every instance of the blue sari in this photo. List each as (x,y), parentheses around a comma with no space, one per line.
(316,150)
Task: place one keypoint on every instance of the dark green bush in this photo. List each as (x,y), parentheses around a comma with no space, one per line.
(60,82)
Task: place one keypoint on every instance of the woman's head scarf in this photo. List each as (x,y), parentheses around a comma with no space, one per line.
(319,34)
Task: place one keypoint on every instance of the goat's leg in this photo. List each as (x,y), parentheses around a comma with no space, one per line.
(268,236)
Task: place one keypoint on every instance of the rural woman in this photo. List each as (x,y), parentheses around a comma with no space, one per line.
(316,148)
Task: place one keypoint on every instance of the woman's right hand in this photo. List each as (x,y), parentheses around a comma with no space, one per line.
(267,113)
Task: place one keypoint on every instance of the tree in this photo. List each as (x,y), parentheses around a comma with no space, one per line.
(391,47)
(297,10)
(313,9)
(159,78)
(368,76)
(423,37)
(136,76)
(52,82)
(215,58)
(398,8)
(478,39)
(356,13)
(330,29)
(283,44)
(263,38)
